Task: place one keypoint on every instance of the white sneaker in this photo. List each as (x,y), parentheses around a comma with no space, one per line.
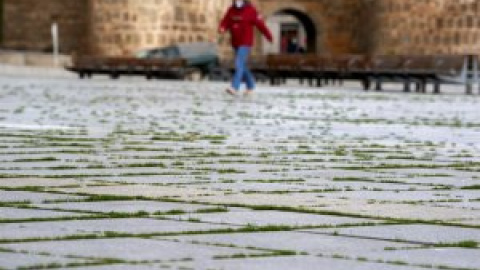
(248,93)
(231,92)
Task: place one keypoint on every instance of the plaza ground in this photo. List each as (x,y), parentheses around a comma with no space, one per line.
(135,174)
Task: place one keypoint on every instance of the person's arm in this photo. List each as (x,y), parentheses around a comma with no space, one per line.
(260,24)
(225,22)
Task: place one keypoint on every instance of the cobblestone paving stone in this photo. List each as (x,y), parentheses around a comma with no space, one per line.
(132,174)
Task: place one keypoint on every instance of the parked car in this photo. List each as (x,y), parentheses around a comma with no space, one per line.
(201,56)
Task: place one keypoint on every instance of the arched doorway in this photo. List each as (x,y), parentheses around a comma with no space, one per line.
(294,31)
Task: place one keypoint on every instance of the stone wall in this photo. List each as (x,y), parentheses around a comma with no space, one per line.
(122,27)
(335,21)
(27,24)
(426,27)
(27,58)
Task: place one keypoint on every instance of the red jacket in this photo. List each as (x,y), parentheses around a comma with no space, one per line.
(241,23)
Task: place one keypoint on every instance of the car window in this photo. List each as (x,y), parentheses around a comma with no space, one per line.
(170,52)
(157,54)
(197,49)
(184,50)
(142,54)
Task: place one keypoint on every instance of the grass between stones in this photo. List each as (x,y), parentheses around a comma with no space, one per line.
(269,252)
(474,187)
(98,198)
(282,253)
(42,159)
(94,215)
(109,235)
(467,244)
(287,156)
(392,262)
(103,262)
(463,244)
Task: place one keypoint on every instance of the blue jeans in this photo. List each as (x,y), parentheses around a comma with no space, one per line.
(242,72)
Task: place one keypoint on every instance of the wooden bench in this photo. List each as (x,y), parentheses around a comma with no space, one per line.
(282,67)
(118,66)
(418,70)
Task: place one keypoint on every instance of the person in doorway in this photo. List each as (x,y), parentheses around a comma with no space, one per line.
(240,20)
(293,46)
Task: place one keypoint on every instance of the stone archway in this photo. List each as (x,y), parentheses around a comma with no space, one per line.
(307,31)
(335,23)
(309,17)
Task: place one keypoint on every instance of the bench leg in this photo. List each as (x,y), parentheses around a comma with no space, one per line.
(272,80)
(424,86)
(436,88)
(469,88)
(378,86)
(418,87)
(366,84)
(319,82)
(407,86)
(310,81)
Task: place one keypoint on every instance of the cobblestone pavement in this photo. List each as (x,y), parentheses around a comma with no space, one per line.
(169,175)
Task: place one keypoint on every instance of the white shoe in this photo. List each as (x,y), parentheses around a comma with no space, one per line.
(248,93)
(231,92)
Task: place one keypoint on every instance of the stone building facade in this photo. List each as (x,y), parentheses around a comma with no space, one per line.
(27,24)
(426,27)
(121,27)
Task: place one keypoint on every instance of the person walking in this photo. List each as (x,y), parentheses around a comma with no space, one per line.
(240,20)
